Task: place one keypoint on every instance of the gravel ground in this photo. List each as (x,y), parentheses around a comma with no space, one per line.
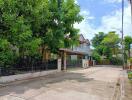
(96,83)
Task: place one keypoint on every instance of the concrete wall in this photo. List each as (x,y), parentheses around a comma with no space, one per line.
(85,63)
(83,48)
(11,78)
(6,79)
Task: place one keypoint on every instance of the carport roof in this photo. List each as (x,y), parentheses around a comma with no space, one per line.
(71,52)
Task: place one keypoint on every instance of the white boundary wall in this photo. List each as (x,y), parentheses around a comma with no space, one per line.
(85,63)
(6,79)
(11,78)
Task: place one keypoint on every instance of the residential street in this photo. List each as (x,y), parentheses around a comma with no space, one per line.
(96,83)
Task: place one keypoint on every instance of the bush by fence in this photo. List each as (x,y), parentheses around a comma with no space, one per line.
(111,61)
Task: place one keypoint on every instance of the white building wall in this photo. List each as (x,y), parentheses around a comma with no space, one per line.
(83,48)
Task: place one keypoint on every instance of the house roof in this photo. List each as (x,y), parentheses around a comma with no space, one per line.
(83,40)
(71,52)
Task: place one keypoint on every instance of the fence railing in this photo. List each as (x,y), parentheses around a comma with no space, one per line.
(74,63)
(21,68)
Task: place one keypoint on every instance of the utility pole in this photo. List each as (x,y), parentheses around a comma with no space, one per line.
(131,9)
(123,34)
(131,18)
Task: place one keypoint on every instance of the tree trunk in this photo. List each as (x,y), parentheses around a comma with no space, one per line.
(129,53)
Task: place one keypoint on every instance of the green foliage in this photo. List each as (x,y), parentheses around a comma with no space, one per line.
(130,60)
(112,40)
(128,42)
(116,61)
(61,24)
(27,25)
(96,41)
(130,75)
(6,54)
(96,56)
(107,45)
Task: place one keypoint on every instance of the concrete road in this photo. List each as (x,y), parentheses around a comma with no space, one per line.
(96,83)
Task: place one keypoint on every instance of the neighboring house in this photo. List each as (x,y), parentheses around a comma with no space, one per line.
(84,47)
(72,57)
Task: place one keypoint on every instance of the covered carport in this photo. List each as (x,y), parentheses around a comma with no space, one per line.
(67,58)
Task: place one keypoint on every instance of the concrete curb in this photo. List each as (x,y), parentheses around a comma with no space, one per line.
(21,80)
(119,92)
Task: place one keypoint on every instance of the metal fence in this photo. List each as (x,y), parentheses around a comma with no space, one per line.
(74,63)
(21,67)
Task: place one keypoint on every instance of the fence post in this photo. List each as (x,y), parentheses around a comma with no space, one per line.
(93,62)
(0,71)
(59,65)
(65,61)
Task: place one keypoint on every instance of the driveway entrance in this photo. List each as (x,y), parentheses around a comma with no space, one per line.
(96,83)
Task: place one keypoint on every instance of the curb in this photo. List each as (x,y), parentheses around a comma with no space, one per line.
(119,92)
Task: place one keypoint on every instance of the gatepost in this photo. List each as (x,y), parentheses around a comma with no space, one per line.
(59,65)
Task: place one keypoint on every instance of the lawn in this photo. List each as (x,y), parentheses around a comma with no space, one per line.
(130,76)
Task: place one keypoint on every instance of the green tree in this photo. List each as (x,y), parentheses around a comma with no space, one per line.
(6,53)
(128,42)
(20,23)
(97,40)
(112,41)
(27,25)
(96,56)
(106,45)
(60,25)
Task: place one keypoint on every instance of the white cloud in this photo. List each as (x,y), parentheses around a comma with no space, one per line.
(111,22)
(114,21)
(113,1)
(85,27)
(76,2)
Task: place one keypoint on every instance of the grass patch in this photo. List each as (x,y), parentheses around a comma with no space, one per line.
(130,75)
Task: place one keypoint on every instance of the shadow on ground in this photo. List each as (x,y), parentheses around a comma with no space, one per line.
(43,82)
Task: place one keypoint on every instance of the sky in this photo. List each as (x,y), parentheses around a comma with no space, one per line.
(103,16)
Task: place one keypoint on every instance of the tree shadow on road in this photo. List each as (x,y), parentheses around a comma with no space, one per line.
(37,84)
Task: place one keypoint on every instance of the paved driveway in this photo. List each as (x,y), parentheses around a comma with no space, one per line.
(95,83)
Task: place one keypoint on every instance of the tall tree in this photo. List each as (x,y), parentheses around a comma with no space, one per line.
(20,21)
(28,24)
(106,44)
(60,25)
(96,41)
(112,41)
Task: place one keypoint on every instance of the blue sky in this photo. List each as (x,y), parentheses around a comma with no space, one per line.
(103,15)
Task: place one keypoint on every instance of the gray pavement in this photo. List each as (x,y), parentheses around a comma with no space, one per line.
(96,83)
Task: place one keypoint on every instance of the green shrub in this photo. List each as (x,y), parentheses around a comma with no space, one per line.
(96,56)
(6,54)
(130,61)
(130,75)
(116,61)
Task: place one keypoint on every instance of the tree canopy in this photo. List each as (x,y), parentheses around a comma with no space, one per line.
(106,44)
(128,42)
(27,25)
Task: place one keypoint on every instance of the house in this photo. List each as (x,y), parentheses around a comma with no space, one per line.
(84,47)
(72,57)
